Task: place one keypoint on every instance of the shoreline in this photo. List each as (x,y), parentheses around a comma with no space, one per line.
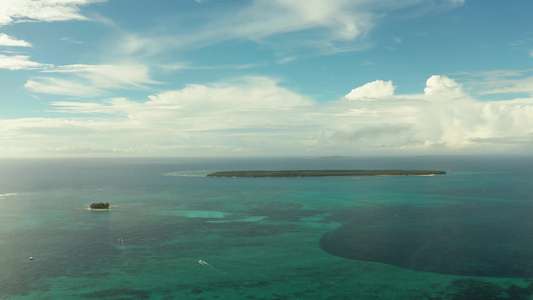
(322,173)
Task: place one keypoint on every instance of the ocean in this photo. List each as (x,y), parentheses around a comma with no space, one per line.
(173,233)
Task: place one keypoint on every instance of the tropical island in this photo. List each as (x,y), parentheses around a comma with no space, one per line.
(99,206)
(317,173)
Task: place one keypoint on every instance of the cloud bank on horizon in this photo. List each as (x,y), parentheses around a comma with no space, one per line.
(258,77)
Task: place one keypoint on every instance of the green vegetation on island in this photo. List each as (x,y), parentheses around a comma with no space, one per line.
(316,173)
(99,205)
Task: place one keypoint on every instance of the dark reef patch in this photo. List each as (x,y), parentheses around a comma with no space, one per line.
(472,289)
(490,239)
(118,293)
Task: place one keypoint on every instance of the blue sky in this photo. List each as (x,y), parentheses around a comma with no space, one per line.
(265,77)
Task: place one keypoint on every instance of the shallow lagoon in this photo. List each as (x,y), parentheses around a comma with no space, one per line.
(265,238)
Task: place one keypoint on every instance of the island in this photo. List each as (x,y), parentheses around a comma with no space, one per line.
(99,206)
(317,173)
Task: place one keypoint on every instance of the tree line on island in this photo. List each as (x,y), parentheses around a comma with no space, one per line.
(316,173)
(100,205)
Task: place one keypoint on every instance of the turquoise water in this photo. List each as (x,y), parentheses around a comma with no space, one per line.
(172,233)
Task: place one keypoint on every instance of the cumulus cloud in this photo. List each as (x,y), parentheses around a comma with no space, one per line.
(371,91)
(240,116)
(258,113)
(75,136)
(20,62)
(258,116)
(91,80)
(6,40)
(438,85)
(13,11)
(238,100)
(431,122)
(385,136)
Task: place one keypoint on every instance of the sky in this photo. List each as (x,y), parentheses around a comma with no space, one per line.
(164,78)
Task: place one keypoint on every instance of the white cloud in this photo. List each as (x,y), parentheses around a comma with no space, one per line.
(20,62)
(265,18)
(6,40)
(247,96)
(219,67)
(132,43)
(371,91)
(71,41)
(258,116)
(431,122)
(13,11)
(501,82)
(91,80)
(46,136)
(522,85)
(222,118)
(334,25)
(61,87)
(286,60)
(345,19)
(438,85)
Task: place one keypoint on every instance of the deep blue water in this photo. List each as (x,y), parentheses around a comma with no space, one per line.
(464,235)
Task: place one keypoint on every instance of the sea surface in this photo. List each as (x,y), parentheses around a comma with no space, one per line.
(173,233)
